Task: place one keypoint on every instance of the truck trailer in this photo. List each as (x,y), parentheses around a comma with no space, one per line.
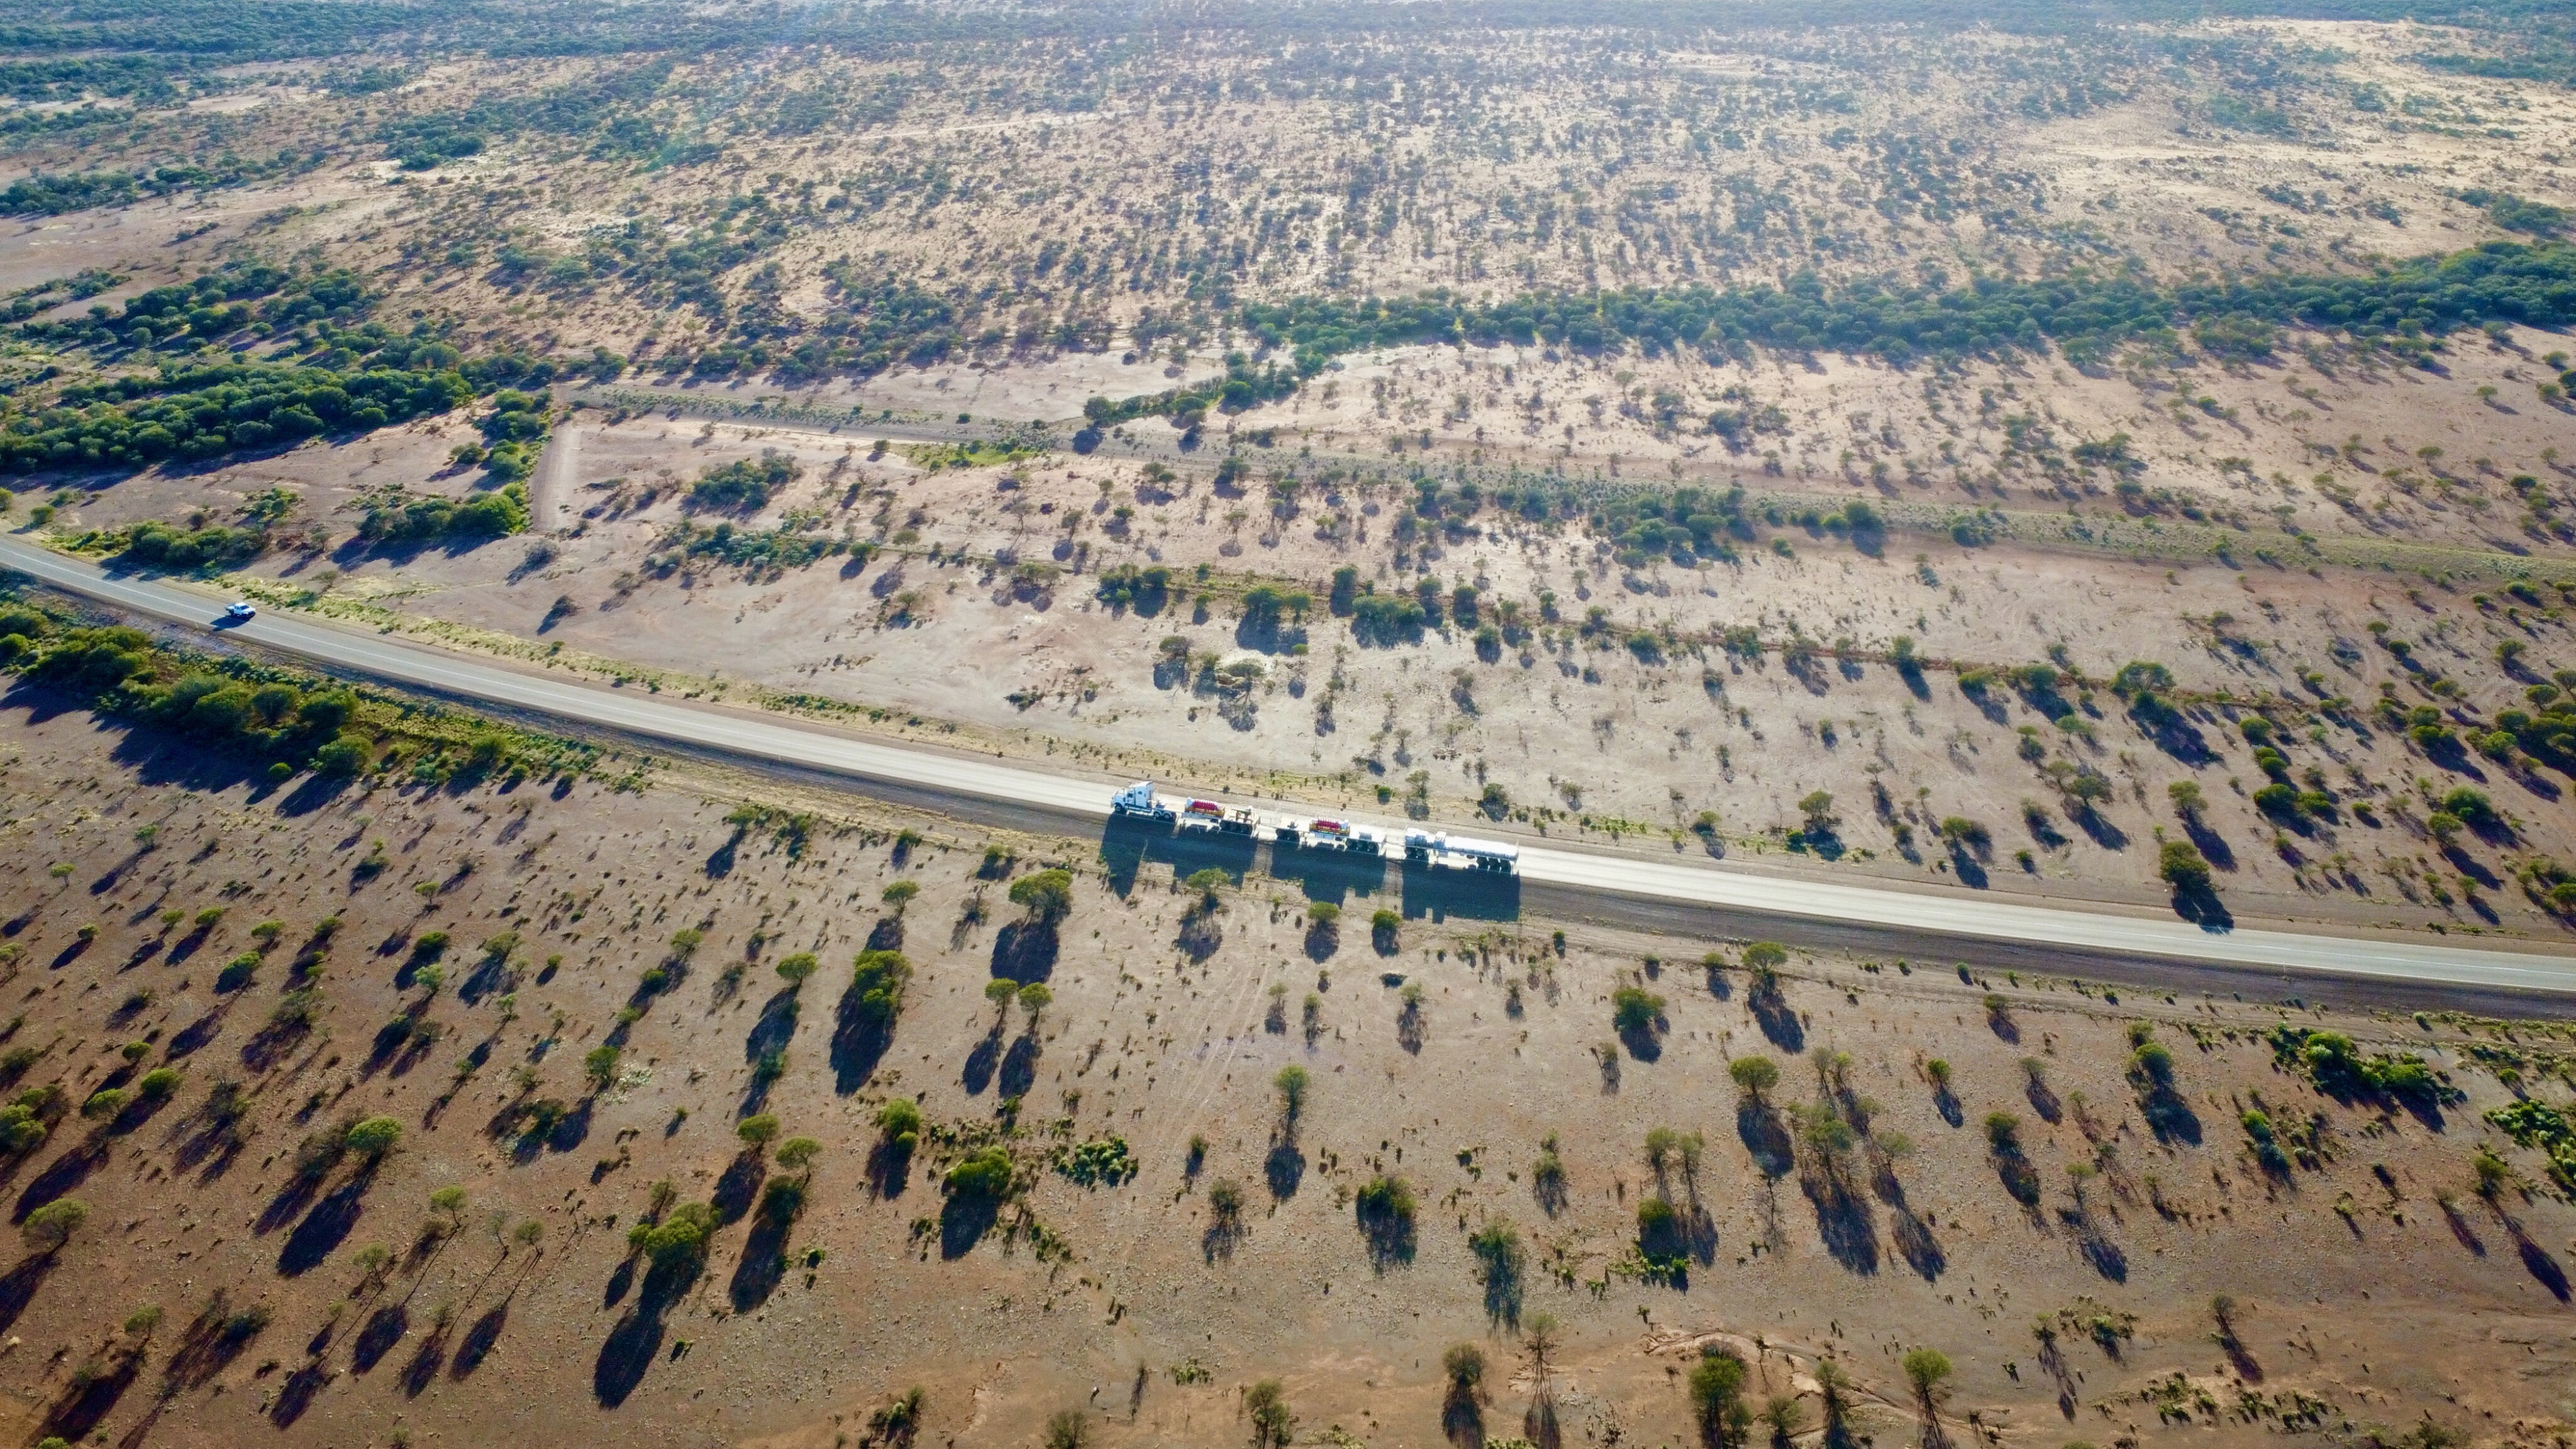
(1139,803)
(1428,847)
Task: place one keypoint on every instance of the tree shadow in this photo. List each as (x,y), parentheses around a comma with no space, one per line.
(572,1128)
(636,1340)
(274,1040)
(1644,1041)
(426,1360)
(325,1228)
(1843,1218)
(481,1337)
(88,1398)
(1946,1102)
(775,1028)
(1765,1138)
(1388,1234)
(964,1219)
(1020,1066)
(720,861)
(195,1037)
(2013,1169)
(889,1168)
(1283,1168)
(2212,846)
(763,1264)
(859,1043)
(2460,1229)
(1699,1231)
(1025,951)
(2171,733)
(490,974)
(2168,1115)
(2238,1355)
(215,1337)
(1971,872)
(2042,1098)
(61,1176)
(981,1063)
(2105,1256)
(2201,906)
(736,1190)
(1225,1232)
(383,1329)
(1916,1245)
(1771,1012)
(1200,934)
(297,1394)
(2098,826)
(2536,1260)
(1462,1418)
(1539,1423)
(620,1281)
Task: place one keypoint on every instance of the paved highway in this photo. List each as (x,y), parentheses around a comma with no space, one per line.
(929,773)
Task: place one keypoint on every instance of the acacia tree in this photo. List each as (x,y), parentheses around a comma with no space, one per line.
(48,1228)
(1926,1369)
(1046,895)
(1291,1082)
(1717,1398)
(1034,999)
(1266,1404)
(1001,991)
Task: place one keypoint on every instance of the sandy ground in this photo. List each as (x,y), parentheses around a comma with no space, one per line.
(1578,732)
(2372,1321)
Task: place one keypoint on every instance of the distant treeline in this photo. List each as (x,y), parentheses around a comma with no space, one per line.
(333,369)
(2087,317)
(52,195)
(199,412)
(285,29)
(2080,313)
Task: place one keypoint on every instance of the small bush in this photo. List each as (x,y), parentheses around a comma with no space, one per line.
(1635,1010)
(984,1174)
(374,1137)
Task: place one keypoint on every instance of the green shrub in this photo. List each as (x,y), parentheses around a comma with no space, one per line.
(49,1227)
(374,1137)
(2181,865)
(424,521)
(679,1238)
(900,1120)
(1046,895)
(1659,1230)
(984,1174)
(1755,1075)
(875,995)
(1635,1010)
(745,484)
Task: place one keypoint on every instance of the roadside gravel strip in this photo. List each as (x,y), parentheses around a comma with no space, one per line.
(917,772)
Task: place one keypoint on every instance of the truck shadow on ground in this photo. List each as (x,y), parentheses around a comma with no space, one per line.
(1424,892)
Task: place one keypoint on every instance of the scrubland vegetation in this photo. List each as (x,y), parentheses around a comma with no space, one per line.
(2119,458)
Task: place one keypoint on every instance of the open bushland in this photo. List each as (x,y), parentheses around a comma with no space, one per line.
(478,1086)
(2120,456)
(2119,460)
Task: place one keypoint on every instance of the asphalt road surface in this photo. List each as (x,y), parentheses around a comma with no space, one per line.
(1556,879)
